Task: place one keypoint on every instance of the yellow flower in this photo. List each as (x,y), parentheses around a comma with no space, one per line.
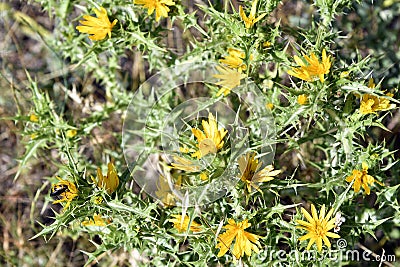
(109,182)
(249,166)
(33,118)
(251,20)
(270,106)
(230,78)
(66,190)
(204,176)
(362,178)
(161,7)
(99,27)
(302,99)
(97,221)
(344,74)
(71,133)
(267,44)
(317,227)
(245,242)
(235,59)
(370,103)
(211,140)
(312,69)
(97,199)
(185,165)
(33,136)
(164,192)
(182,224)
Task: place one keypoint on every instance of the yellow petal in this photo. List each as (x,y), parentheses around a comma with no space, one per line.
(312,240)
(307,215)
(333,235)
(314,212)
(322,212)
(319,243)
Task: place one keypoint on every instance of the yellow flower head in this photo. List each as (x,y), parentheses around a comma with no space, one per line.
(109,182)
(312,69)
(185,165)
(211,140)
(317,227)
(71,133)
(182,224)
(97,199)
(230,78)
(302,99)
(204,176)
(96,221)
(371,103)
(267,44)
(270,106)
(33,136)
(99,27)
(235,59)
(33,118)
(160,6)
(251,19)
(362,178)
(66,190)
(245,242)
(344,74)
(249,173)
(164,192)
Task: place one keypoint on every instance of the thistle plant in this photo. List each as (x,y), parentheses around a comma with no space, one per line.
(221,130)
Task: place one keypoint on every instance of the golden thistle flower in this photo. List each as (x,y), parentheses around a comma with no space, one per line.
(160,6)
(317,227)
(251,19)
(33,118)
(71,133)
(99,27)
(362,178)
(211,140)
(344,74)
(33,136)
(248,167)
(312,69)
(66,190)
(204,176)
(371,104)
(96,221)
(302,99)
(109,182)
(182,224)
(267,44)
(245,242)
(230,78)
(235,59)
